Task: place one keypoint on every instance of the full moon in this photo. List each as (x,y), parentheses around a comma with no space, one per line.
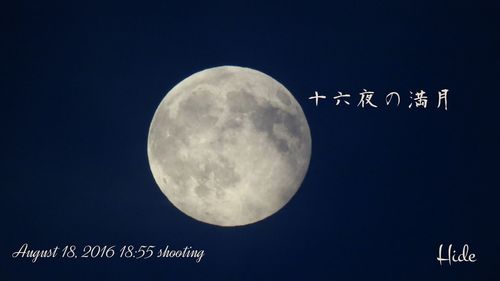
(229,146)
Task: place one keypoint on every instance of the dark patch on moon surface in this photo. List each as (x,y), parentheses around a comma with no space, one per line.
(263,117)
(283,97)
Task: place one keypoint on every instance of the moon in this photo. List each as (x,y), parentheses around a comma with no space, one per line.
(229,146)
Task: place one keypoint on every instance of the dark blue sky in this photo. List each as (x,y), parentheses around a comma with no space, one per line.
(385,187)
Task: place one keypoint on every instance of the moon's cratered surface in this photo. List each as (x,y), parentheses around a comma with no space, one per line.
(229,146)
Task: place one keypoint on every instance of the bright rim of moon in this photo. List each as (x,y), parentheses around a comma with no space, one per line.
(229,146)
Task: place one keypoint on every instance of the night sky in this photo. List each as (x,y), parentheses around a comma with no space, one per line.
(80,82)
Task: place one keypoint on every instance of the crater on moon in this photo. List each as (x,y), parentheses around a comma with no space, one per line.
(229,146)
